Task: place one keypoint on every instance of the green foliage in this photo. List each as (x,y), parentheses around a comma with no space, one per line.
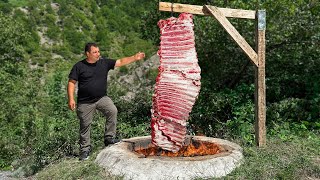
(12,38)
(134,44)
(134,118)
(225,114)
(12,91)
(293,117)
(16,111)
(5,7)
(53,32)
(126,130)
(64,51)
(31,44)
(18,3)
(152,74)
(49,130)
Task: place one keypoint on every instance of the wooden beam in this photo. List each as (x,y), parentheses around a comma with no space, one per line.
(215,12)
(260,86)
(193,9)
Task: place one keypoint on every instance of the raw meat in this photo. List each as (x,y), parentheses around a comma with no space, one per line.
(177,84)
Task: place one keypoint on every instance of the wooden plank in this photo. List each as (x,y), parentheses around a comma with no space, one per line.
(260,90)
(215,12)
(193,9)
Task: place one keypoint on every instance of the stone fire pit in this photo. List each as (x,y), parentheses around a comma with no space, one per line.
(120,159)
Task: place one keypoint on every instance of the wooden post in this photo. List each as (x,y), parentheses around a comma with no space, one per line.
(260,86)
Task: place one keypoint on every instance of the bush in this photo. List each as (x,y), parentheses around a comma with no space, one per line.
(292,117)
(229,113)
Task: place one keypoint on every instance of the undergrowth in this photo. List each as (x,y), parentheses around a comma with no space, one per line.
(298,158)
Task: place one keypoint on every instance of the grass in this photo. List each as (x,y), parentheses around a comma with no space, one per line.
(18,3)
(298,158)
(72,168)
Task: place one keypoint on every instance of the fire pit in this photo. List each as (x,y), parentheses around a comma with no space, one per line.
(202,157)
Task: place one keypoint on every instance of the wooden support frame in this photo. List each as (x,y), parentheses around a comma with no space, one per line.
(256,56)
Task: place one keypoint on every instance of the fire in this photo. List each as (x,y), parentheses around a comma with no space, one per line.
(195,148)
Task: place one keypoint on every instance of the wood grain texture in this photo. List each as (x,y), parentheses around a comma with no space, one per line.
(194,9)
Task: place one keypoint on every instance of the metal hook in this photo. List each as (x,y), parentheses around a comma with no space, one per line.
(171,8)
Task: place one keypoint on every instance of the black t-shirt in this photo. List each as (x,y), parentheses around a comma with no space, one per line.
(92,79)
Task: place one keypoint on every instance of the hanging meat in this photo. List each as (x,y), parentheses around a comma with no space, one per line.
(177,84)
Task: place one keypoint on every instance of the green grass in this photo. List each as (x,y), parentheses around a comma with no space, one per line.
(18,3)
(298,158)
(72,168)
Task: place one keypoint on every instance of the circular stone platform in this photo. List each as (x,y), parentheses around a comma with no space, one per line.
(120,159)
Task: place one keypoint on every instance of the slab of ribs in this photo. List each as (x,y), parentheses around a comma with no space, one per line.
(177,84)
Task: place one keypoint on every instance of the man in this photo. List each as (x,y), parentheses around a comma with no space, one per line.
(91,75)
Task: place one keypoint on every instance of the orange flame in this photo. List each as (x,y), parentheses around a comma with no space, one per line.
(195,148)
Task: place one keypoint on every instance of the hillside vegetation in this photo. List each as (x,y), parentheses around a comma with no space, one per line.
(41,40)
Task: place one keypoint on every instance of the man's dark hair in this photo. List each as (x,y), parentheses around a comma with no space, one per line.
(88,46)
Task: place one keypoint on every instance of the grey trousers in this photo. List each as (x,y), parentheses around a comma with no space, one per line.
(85,114)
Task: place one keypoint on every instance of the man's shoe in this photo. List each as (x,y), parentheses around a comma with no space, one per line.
(110,141)
(84,155)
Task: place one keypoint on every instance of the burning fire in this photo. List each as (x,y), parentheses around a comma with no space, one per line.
(195,148)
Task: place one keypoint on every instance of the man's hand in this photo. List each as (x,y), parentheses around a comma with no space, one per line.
(72,104)
(130,59)
(71,88)
(139,56)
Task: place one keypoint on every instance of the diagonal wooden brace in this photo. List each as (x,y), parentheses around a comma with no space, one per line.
(215,12)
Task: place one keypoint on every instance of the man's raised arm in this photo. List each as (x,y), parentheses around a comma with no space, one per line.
(130,59)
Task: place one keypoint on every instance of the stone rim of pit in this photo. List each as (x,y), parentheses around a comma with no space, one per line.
(120,159)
